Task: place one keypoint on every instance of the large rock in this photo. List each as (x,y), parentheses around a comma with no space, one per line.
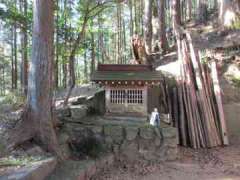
(79,101)
(78,112)
(34,171)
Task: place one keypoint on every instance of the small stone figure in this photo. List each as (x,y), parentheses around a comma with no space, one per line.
(155,118)
(155,121)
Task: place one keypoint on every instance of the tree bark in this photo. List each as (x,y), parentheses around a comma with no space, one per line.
(85,66)
(162,25)
(148,25)
(38,115)
(202,11)
(24,51)
(176,14)
(131,21)
(56,48)
(189,9)
(93,62)
(131,18)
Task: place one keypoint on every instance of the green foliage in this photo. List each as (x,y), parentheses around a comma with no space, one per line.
(15,99)
(236,24)
(236,81)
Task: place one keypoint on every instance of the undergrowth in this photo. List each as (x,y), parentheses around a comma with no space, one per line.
(13,99)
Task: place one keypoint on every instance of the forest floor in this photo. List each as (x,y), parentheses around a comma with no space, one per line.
(222,163)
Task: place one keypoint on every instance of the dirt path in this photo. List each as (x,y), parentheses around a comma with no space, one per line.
(214,164)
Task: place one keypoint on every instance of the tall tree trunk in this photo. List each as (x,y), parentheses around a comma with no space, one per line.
(56,48)
(131,18)
(64,63)
(176,14)
(24,44)
(93,62)
(12,59)
(38,116)
(85,66)
(189,9)
(136,27)
(148,25)
(162,25)
(156,33)
(131,21)
(202,11)
(15,58)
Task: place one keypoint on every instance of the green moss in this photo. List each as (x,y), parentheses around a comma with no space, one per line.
(236,24)
(11,161)
(236,81)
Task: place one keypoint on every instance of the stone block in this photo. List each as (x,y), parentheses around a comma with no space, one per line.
(147,132)
(170,142)
(129,151)
(146,145)
(158,141)
(131,133)
(172,154)
(96,129)
(115,132)
(169,132)
(78,112)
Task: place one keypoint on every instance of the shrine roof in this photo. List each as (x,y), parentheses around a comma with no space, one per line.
(127,76)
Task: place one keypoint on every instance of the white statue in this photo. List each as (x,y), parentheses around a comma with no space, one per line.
(155,118)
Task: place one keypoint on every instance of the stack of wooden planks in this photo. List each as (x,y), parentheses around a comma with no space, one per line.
(196,101)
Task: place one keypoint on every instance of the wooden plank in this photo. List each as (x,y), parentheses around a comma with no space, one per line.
(213,136)
(218,96)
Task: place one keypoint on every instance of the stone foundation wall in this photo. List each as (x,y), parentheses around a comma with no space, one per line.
(129,143)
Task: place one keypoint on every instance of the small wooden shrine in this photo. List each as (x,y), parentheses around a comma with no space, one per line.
(129,89)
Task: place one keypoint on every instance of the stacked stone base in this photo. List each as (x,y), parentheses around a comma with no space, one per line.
(128,142)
